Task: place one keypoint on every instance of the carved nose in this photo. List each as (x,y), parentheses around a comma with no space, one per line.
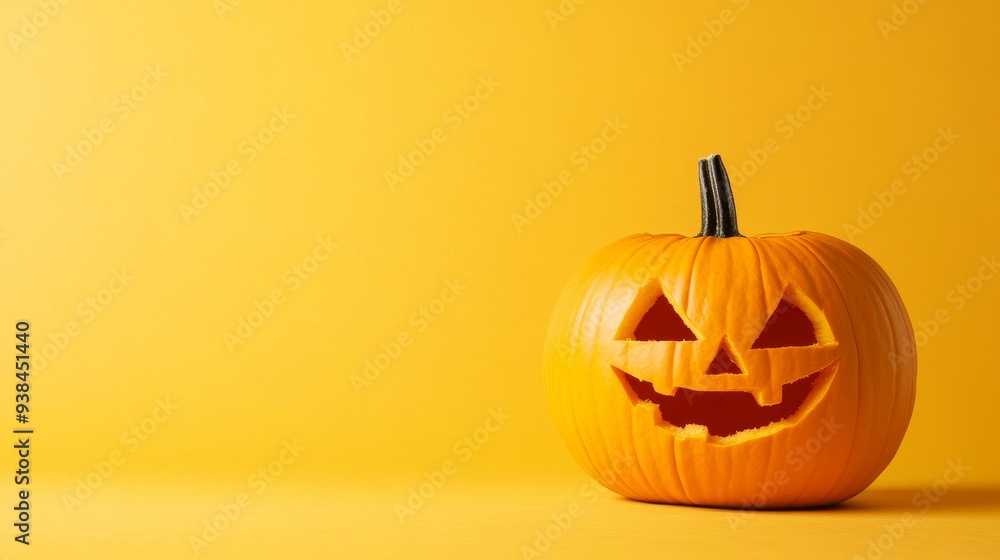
(723,363)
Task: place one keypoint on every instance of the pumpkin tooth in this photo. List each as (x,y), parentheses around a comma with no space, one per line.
(768,395)
(664,386)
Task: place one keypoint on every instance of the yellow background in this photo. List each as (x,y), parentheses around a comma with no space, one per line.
(557,80)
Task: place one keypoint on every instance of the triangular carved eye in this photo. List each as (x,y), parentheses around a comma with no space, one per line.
(662,322)
(787,326)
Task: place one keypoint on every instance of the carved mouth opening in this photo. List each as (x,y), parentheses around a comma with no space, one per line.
(722,413)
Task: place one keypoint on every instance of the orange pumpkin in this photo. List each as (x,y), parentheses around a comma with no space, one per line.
(723,370)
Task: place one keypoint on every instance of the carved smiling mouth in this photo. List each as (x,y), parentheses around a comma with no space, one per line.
(725,413)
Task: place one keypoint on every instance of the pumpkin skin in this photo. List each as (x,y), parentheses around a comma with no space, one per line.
(659,342)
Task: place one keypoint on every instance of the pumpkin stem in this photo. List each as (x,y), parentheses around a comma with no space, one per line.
(709,214)
(718,207)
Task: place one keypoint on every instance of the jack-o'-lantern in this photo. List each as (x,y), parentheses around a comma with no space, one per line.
(731,371)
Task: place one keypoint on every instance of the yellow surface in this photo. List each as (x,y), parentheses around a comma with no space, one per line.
(524,520)
(136,274)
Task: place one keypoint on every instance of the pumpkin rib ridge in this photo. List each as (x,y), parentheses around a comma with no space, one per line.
(581,282)
(909,400)
(888,432)
(808,245)
(789,252)
(697,243)
(570,404)
(619,262)
(702,241)
(796,253)
(872,276)
(843,480)
(566,397)
(867,277)
(604,294)
(655,494)
(649,487)
(680,476)
(760,268)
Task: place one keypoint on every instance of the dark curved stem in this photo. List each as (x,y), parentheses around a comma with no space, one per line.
(709,212)
(719,221)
